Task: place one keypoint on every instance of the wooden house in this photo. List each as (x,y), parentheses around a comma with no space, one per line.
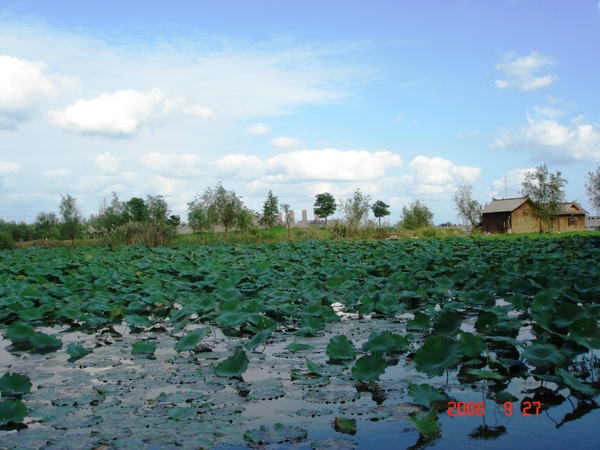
(515,215)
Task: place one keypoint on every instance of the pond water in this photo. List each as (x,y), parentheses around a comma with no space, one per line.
(110,399)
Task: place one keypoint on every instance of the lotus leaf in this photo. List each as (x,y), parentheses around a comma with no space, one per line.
(426,426)
(437,354)
(143,348)
(369,368)
(312,367)
(424,394)
(543,355)
(12,411)
(191,340)
(575,384)
(77,351)
(43,342)
(234,366)
(585,332)
(276,435)
(340,347)
(14,384)
(421,321)
(386,342)
(19,332)
(345,425)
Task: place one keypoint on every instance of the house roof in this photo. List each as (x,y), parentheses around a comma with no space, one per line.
(571,208)
(510,204)
(503,205)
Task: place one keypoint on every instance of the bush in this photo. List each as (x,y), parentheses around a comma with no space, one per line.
(430,232)
(153,234)
(6,241)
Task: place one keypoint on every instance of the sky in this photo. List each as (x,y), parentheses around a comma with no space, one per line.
(403,100)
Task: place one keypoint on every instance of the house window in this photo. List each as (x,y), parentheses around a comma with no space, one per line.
(572,221)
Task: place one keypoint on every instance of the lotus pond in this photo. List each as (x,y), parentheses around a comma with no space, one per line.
(456,343)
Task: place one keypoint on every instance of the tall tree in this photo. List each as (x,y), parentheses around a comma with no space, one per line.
(216,206)
(287,217)
(467,208)
(416,216)
(380,209)
(269,216)
(136,209)
(71,217)
(158,209)
(545,191)
(356,209)
(47,225)
(324,205)
(593,189)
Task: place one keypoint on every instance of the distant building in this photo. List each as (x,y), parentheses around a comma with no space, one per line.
(514,215)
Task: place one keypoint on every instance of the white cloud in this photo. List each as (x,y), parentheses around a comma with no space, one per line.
(123,113)
(240,167)
(181,166)
(9,167)
(440,171)
(286,142)
(258,130)
(107,163)
(521,73)
(510,186)
(399,118)
(331,164)
(58,173)
(547,140)
(24,85)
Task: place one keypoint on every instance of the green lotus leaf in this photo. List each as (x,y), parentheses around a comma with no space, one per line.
(312,367)
(19,332)
(143,348)
(232,319)
(575,384)
(424,394)
(259,339)
(234,366)
(345,425)
(421,321)
(486,322)
(505,396)
(566,314)
(31,314)
(472,345)
(14,384)
(447,324)
(44,342)
(314,323)
(191,340)
(543,355)
(425,425)
(369,368)
(136,320)
(12,411)
(386,342)
(77,351)
(437,354)
(486,374)
(278,434)
(340,347)
(585,332)
(295,346)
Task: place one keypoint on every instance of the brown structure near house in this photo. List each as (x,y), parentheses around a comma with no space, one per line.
(514,215)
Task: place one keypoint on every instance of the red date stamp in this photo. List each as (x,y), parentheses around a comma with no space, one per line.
(462,409)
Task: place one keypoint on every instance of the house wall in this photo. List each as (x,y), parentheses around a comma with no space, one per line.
(495,222)
(523,220)
(570,223)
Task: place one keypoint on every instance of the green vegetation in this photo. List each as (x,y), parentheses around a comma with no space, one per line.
(489,312)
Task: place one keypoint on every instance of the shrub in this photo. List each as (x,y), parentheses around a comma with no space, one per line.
(6,241)
(153,234)
(429,232)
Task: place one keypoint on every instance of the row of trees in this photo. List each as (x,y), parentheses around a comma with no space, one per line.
(218,207)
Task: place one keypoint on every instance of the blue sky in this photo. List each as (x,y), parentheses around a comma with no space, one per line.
(404,100)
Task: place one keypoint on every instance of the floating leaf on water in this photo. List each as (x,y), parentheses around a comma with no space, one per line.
(259,339)
(486,374)
(43,342)
(386,342)
(426,426)
(541,354)
(369,368)
(276,435)
(12,411)
(77,351)
(312,367)
(14,384)
(345,425)
(504,396)
(575,384)
(424,394)
(191,340)
(19,332)
(143,348)
(340,347)
(437,354)
(234,366)
(421,321)
(296,346)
